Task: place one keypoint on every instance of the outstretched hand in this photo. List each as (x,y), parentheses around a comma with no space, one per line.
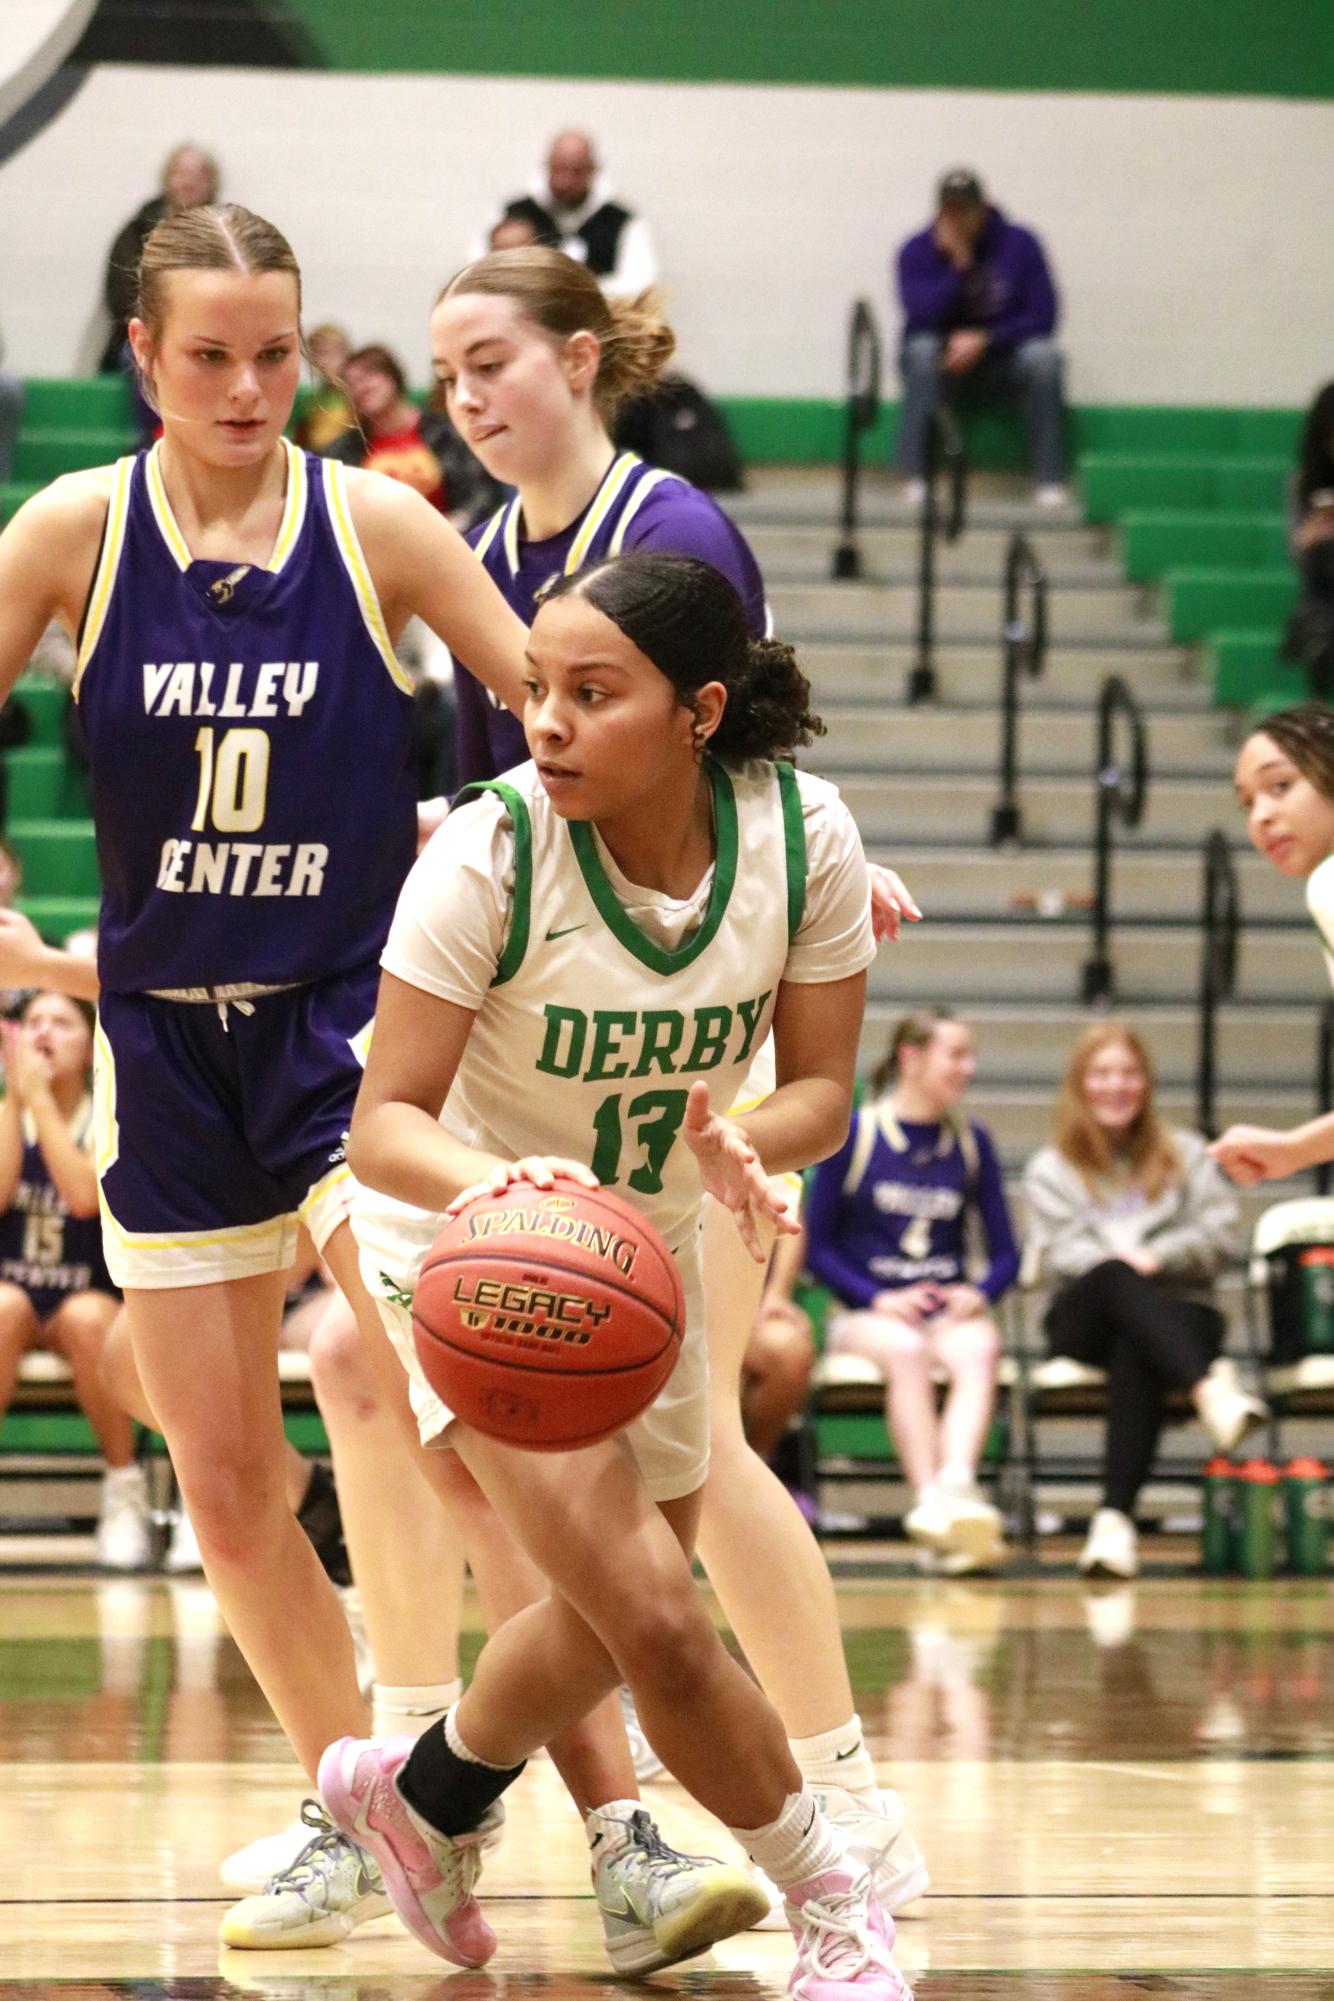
(892,904)
(1255,1153)
(22,950)
(540,1170)
(730,1170)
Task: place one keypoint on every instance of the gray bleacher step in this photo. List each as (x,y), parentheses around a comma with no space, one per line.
(811,495)
(890,739)
(996,882)
(909,806)
(804,552)
(875,611)
(1161,677)
(964,963)
(1030,1043)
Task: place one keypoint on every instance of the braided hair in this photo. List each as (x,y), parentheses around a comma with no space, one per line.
(686,618)
(1305,734)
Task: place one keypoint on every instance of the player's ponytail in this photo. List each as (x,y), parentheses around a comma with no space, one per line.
(560,295)
(685,617)
(1305,735)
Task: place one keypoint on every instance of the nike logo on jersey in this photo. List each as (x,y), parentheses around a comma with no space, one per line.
(564,932)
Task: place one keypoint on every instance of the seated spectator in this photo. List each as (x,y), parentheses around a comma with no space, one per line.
(979,313)
(1309,638)
(888,1219)
(570,207)
(419,447)
(55,1291)
(328,413)
(1132,1223)
(190,178)
(780,1353)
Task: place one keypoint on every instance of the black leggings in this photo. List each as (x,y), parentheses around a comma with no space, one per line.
(1150,1342)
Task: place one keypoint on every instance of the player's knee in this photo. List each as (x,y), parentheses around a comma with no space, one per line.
(902,1349)
(340,1372)
(81,1325)
(974,1347)
(235,1507)
(16,1317)
(1039,359)
(921,355)
(665,1640)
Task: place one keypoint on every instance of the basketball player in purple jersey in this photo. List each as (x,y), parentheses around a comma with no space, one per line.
(235,604)
(533,360)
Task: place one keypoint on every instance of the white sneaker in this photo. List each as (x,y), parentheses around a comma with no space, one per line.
(647,1763)
(975,1538)
(658,1906)
(183,1550)
(882,1841)
(1051,496)
(927,1522)
(1112,1547)
(913,492)
(325,1892)
(250,1868)
(1227,1411)
(124,1538)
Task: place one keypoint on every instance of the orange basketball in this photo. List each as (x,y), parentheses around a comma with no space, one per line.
(548,1317)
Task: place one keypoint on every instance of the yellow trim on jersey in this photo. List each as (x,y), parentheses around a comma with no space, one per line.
(617,474)
(294,511)
(488,534)
(360,1043)
(113,541)
(511,535)
(166,520)
(349,548)
(314,1209)
(153,1240)
(633,505)
(106,1132)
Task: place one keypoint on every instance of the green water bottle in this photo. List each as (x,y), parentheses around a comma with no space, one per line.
(1257,1497)
(1306,1516)
(1218,1541)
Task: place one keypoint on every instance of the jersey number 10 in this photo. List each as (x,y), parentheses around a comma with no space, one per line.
(233,780)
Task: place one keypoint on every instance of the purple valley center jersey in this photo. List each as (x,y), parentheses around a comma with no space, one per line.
(248,735)
(46,1251)
(637,506)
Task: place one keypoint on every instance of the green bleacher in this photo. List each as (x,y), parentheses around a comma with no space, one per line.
(1199,498)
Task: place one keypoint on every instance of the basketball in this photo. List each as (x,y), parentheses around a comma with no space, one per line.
(548,1317)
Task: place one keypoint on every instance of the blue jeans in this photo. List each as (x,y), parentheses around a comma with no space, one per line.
(1031,374)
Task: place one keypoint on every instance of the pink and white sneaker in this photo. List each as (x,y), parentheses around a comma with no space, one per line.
(844,1941)
(429,1876)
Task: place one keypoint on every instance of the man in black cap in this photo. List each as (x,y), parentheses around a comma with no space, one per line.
(979,311)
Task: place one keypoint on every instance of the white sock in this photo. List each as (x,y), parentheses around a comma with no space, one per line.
(407,1712)
(838,1758)
(798,1845)
(608,1820)
(956,1479)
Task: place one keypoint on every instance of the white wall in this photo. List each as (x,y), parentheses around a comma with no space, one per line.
(1188,234)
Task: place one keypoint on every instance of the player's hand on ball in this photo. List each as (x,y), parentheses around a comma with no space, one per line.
(730,1170)
(1254,1153)
(892,903)
(539,1169)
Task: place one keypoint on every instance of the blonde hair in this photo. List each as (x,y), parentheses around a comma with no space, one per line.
(562,296)
(1147,1149)
(226,238)
(913,1032)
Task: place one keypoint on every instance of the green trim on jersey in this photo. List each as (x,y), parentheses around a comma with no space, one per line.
(794,846)
(516,945)
(656,957)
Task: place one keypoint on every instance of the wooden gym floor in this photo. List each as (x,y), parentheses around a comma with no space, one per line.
(1118,1794)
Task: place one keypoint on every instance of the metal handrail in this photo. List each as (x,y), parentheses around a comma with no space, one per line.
(859,414)
(1023,651)
(944,452)
(1119,790)
(1325,1084)
(1220,923)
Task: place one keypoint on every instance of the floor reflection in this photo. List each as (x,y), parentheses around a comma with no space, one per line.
(141,1670)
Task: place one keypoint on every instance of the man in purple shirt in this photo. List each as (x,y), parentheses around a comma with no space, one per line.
(979,312)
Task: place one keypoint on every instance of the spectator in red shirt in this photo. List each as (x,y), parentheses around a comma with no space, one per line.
(418,446)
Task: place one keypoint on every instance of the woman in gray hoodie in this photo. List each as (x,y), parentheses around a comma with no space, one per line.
(1132,1223)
